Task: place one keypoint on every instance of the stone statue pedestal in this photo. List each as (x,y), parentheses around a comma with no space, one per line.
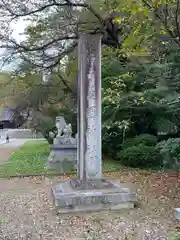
(65,141)
(63,154)
(62,158)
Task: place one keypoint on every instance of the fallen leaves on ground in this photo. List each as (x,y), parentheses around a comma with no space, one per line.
(27,205)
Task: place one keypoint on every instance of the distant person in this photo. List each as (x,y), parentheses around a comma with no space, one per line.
(7,138)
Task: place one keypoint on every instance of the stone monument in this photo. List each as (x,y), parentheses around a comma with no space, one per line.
(89,191)
(63,154)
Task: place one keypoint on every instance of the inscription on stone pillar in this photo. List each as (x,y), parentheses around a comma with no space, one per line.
(89,107)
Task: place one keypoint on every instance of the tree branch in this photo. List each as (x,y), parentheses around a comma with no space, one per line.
(27,49)
(53,102)
(172,35)
(177,17)
(66,84)
(66,52)
(48,61)
(53,64)
(64,81)
(54,3)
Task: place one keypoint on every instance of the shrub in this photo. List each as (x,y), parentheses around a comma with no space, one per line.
(140,156)
(145,139)
(111,141)
(170,152)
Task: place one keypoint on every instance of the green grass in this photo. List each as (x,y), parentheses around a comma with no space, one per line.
(31,159)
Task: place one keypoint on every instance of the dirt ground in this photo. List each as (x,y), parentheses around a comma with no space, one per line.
(7,149)
(26,211)
(5,153)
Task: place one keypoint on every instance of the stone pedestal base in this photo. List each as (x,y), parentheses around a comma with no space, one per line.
(62,158)
(76,196)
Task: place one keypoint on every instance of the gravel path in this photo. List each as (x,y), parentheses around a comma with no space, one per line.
(26,212)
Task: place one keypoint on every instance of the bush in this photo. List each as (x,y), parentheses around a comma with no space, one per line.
(111,141)
(145,139)
(140,156)
(170,152)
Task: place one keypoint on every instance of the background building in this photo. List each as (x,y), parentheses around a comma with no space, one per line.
(6,118)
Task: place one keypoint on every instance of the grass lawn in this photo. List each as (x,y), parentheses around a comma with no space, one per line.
(31,159)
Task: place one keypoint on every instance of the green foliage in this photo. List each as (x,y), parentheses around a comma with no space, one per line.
(140,156)
(170,151)
(43,101)
(145,139)
(111,140)
(139,78)
(177,236)
(132,105)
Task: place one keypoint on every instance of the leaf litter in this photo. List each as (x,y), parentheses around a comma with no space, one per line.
(26,204)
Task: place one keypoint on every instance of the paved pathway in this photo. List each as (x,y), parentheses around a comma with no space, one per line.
(3,137)
(14,143)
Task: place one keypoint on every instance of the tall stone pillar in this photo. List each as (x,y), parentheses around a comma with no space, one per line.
(89,107)
(89,192)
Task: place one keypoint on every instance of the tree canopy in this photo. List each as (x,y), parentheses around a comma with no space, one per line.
(140,63)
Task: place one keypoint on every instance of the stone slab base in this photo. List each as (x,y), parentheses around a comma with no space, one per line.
(109,195)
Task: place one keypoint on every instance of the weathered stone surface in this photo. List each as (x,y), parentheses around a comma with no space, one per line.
(60,125)
(63,154)
(89,107)
(62,158)
(90,192)
(65,141)
(69,199)
(90,185)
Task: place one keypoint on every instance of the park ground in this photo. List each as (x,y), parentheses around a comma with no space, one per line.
(26,210)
